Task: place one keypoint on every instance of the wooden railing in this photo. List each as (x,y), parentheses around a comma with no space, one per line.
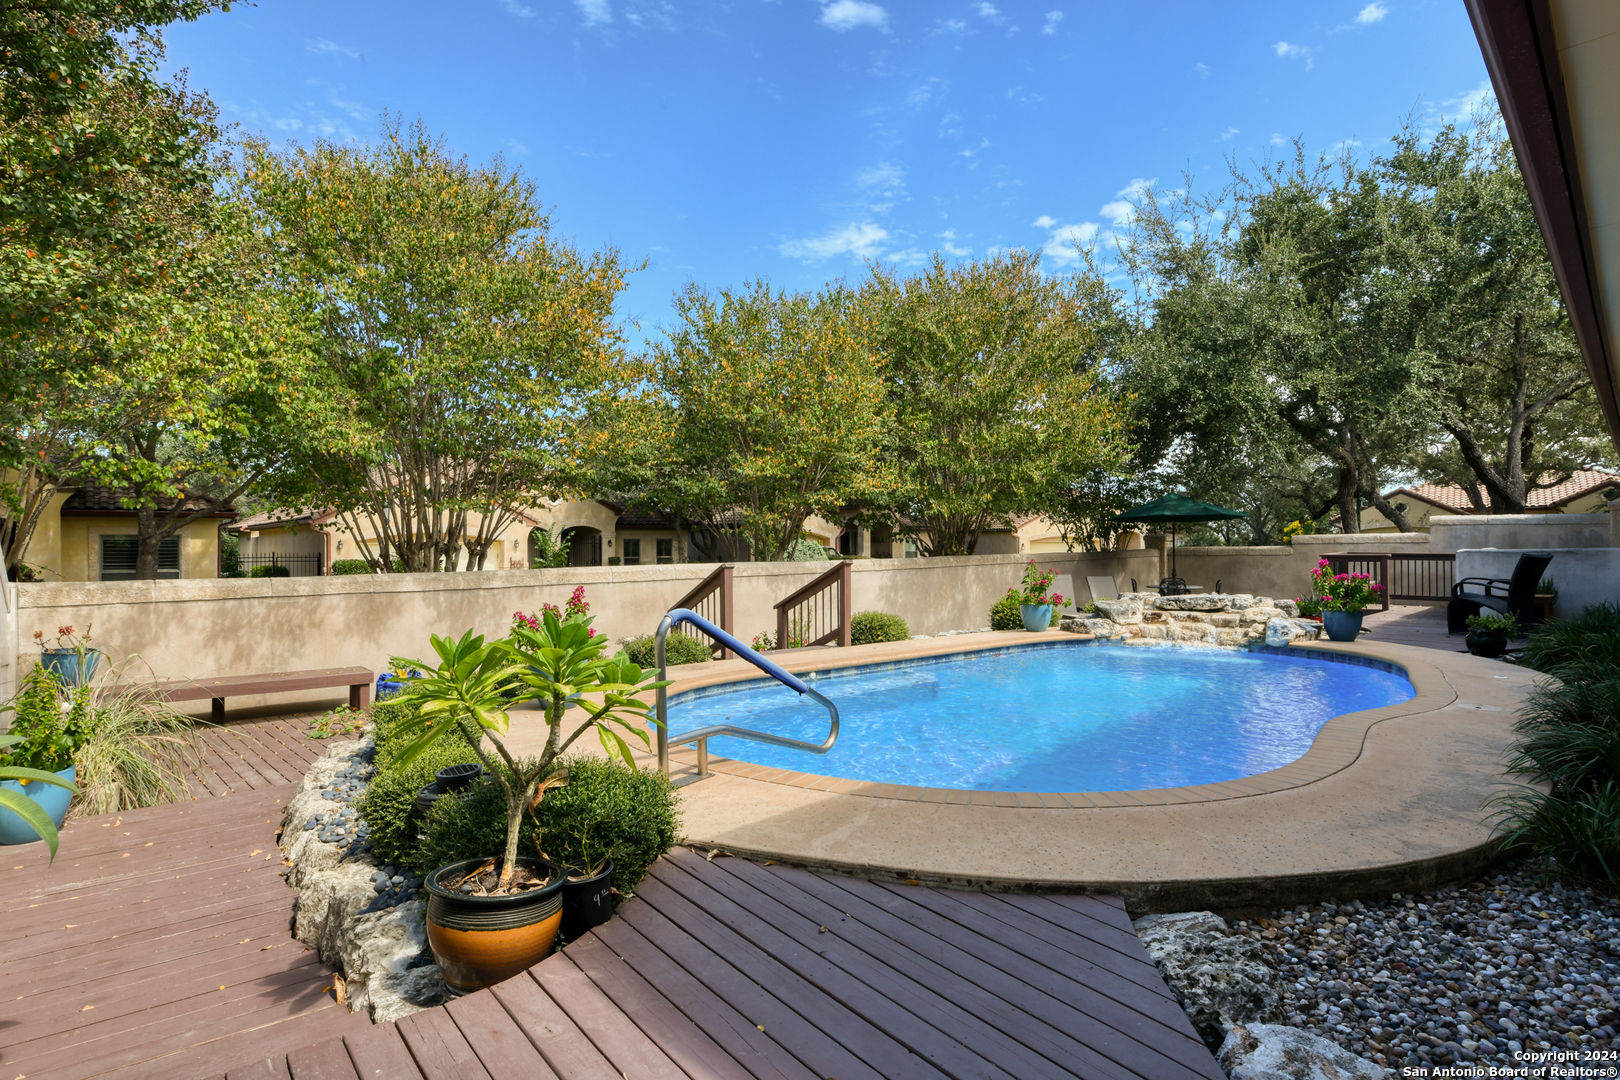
(1404,576)
(712,600)
(814,615)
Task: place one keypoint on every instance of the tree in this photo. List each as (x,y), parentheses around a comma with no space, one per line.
(1516,399)
(992,376)
(1282,314)
(768,408)
(88,140)
(468,339)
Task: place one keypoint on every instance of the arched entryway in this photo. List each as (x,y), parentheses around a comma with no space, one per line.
(584,545)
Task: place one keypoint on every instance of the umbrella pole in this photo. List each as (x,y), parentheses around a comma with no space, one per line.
(1172,549)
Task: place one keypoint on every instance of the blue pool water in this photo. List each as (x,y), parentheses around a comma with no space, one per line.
(1083,718)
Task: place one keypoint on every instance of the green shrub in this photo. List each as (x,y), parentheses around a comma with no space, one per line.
(270,571)
(1570,748)
(47,736)
(389,802)
(606,810)
(678,649)
(1589,642)
(805,550)
(869,627)
(352,566)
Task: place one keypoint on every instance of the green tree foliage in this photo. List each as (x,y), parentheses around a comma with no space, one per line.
(768,408)
(468,338)
(992,372)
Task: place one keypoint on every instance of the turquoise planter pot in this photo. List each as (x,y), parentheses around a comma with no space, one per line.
(1341,625)
(1036,616)
(64,663)
(51,799)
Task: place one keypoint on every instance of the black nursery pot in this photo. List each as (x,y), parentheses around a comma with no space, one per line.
(587,902)
(1487,643)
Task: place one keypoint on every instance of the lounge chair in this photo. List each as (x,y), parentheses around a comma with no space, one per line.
(1517,594)
(1103,587)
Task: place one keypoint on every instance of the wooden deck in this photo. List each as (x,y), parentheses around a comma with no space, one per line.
(157,940)
(252,755)
(1424,627)
(728,970)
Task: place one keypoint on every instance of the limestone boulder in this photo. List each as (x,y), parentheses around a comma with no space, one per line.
(1279,1052)
(383,963)
(1220,978)
(1194,602)
(1124,611)
(1281,632)
(1245,601)
(1288,607)
(328,903)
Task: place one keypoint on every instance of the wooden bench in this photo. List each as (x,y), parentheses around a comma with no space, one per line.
(359,680)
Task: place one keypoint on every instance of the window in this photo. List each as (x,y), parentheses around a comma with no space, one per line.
(118,558)
(666,551)
(632,552)
(911,548)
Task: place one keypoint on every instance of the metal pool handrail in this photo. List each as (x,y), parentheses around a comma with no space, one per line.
(702,735)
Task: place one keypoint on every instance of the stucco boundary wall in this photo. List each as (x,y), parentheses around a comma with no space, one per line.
(210,628)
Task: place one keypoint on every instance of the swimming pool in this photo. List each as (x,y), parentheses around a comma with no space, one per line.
(1081,718)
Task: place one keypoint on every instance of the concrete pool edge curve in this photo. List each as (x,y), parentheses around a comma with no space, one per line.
(1335,746)
(1396,803)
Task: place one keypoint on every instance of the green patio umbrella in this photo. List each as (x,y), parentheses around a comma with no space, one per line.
(1172,510)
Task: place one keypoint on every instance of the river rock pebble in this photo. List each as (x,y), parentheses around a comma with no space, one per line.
(1514,963)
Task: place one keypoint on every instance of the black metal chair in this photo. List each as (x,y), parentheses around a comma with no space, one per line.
(1173,586)
(1517,594)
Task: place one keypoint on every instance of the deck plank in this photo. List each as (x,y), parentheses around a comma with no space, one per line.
(504,1049)
(908,1014)
(821,1032)
(1017,1040)
(323,1061)
(437,1045)
(554,1034)
(274,1068)
(626,1047)
(379,1053)
(698,1030)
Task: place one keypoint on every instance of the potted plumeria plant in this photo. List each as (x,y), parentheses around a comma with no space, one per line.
(1343,597)
(1033,602)
(490,918)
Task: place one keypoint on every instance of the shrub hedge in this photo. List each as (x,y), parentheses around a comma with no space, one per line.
(270,571)
(869,627)
(1570,747)
(678,649)
(351,566)
(606,810)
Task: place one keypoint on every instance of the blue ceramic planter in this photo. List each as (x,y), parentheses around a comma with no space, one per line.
(64,664)
(51,799)
(1036,616)
(1341,625)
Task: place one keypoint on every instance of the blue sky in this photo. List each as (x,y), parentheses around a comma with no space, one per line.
(796,139)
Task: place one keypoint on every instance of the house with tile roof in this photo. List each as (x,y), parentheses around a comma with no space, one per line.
(1587,491)
(86,533)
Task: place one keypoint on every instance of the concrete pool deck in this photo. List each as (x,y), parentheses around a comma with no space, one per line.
(1387,800)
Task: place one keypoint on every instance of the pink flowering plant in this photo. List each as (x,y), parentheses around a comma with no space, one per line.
(1344,592)
(1033,588)
(576,605)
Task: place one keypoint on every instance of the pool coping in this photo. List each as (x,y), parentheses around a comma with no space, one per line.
(1336,746)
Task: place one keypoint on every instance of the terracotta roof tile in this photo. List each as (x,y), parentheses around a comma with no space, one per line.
(1452,496)
(98,499)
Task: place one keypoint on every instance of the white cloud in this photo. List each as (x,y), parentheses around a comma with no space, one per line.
(1202,70)
(1052,20)
(928,91)
(1118,212)
(1291,51)
(989,11)
(1228,133)
(850,14)
(330,48)
(882,175)
(1063,241)
(1045,221)
(863,240)
(514,8)
(1373,12)
(952,26)
(950,247)
(1277,139)
(594,12)
(1459,110)
(514,146)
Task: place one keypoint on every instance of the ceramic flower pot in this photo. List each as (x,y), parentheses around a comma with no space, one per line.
(1341,625)
(1487,643)
(51,799)
(64,664)
(1036,616)
(587,902)
(482,940)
